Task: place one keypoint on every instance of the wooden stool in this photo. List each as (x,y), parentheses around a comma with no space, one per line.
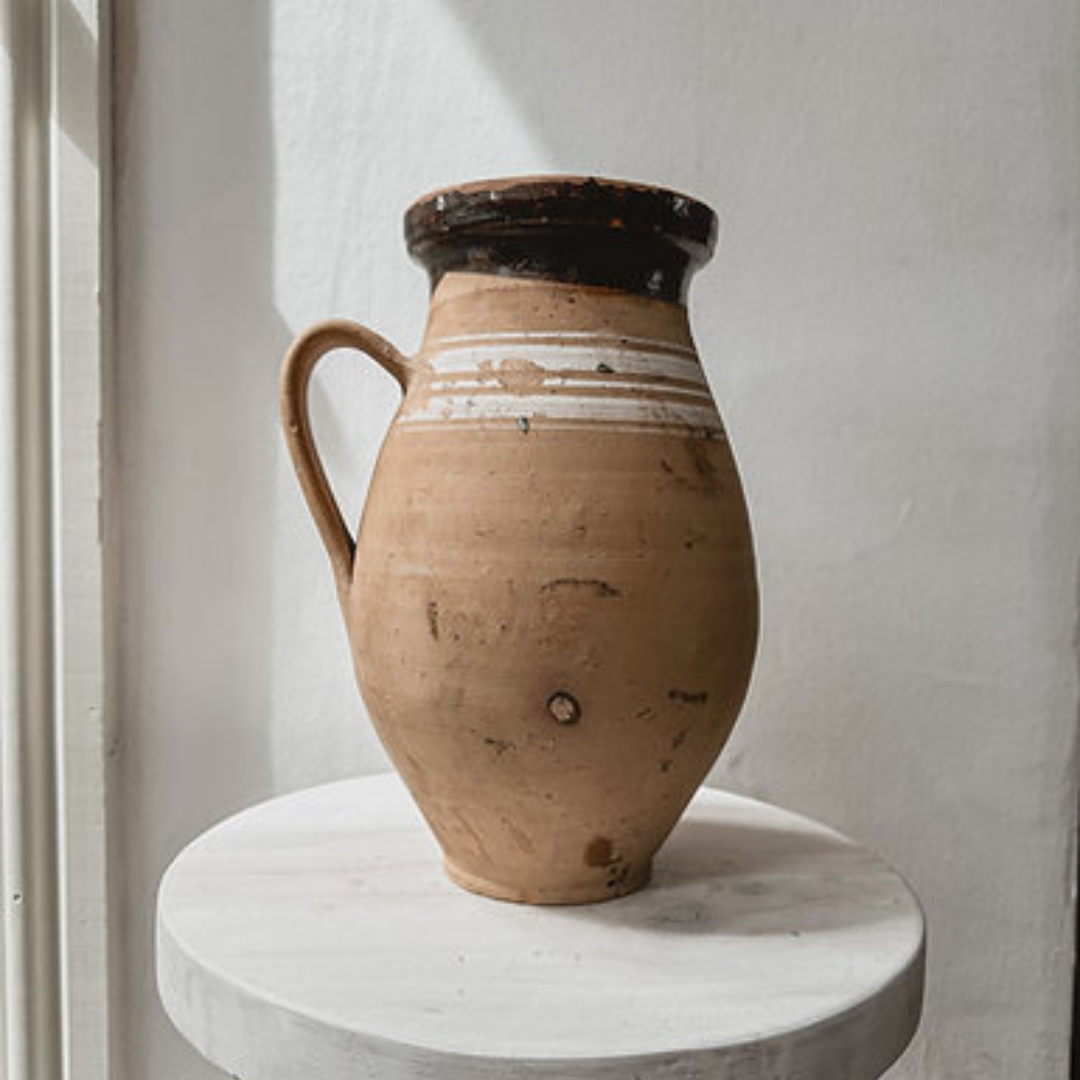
(315,937)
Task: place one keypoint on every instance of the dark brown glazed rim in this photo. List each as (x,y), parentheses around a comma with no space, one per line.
(582,230)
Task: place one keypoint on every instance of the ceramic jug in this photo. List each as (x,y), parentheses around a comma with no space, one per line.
(551,595)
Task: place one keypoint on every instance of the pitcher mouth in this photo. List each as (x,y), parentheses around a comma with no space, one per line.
(580,229)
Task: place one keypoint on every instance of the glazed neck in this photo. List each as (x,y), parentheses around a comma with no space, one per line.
(581,230)
(466,304)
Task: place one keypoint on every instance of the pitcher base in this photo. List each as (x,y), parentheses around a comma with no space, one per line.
(627,880)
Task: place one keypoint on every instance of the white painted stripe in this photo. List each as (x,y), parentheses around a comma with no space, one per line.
(559,382)
(526,336)
(546,423)
(567,358)
(561,407)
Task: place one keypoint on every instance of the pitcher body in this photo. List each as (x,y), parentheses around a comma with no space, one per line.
(551,598)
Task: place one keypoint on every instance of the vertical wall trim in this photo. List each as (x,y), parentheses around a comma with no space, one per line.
(80,156)
(53,212)
(33,1026)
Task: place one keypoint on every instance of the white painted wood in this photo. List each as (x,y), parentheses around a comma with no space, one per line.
(81,295)
(314,937)
(55,110)
(31,925)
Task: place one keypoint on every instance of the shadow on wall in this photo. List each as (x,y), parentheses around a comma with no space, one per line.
(605,85)
(626,86)
(198,441)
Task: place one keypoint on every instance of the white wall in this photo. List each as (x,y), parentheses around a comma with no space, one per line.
(890,327)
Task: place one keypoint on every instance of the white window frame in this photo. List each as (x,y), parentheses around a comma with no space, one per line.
(54,705)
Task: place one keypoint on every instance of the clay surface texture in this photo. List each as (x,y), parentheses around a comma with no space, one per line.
(551,597)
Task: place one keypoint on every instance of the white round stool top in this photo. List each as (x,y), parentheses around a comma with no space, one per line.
(315,937)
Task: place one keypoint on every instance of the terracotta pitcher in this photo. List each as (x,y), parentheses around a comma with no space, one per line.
(551,596)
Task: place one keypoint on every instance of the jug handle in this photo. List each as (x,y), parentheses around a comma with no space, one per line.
(306,351)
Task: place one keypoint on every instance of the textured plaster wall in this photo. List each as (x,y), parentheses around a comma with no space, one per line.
(890,327)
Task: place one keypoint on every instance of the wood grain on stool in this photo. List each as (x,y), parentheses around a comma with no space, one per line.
(314,937)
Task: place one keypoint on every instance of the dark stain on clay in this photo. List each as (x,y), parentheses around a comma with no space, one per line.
(619,876)
(701,477)
(500,746)
(600,852)
(679,739)
(699,455)
(645,713)
(433,619)
(704,465)
(601,588)
(665,765)
(691,697)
